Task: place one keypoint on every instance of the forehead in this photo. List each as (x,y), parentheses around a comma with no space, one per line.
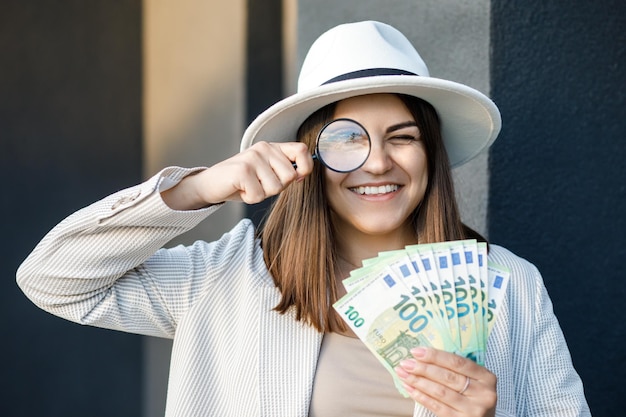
(382,107)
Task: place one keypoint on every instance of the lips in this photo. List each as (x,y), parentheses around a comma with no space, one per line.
(375,189)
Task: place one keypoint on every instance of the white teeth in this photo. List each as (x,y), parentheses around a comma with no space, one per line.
(383,189)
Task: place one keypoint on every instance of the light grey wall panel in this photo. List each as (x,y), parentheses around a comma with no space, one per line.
(451,36)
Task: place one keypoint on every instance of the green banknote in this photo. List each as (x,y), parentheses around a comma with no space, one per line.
(481,258)
(385,316)
(413,277)
(445,295)
(370,266)
(438,267)
(467,305)
(479,282)
(498,281)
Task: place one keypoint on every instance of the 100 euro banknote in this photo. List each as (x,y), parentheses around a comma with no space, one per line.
(445,296)
(386,317)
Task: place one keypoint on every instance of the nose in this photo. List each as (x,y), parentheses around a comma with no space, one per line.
(379,160)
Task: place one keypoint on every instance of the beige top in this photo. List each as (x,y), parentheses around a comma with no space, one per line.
(350,381)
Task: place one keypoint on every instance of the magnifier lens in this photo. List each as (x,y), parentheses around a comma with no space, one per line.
(343,145)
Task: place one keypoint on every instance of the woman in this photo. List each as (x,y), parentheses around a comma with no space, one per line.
(251,314)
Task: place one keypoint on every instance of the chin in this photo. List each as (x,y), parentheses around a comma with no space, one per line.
(386,229)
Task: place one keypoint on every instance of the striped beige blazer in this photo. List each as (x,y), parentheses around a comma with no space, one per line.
(232,354)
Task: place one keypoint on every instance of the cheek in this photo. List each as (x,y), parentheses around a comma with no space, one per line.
(422,170)
(415,164)
(332,178)
(332,182)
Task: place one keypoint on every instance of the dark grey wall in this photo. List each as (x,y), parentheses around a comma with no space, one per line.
(70,133)
(558,170)
(264,71)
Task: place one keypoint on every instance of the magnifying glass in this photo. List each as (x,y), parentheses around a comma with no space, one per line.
(343,145)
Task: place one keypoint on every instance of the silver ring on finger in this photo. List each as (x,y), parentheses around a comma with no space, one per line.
(466,386)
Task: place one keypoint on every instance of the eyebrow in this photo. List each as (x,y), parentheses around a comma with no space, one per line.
(402,125)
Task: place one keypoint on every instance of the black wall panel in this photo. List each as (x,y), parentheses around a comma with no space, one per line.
(264,71)
(70,133)
(558,176)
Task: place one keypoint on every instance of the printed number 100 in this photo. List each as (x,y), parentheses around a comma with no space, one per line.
(353,316)
(408,312)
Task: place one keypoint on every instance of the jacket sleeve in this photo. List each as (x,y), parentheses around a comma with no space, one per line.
(553,387)
(527,350)
(102,265)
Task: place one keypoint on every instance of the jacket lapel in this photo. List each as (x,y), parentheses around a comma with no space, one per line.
(288,352)
(420,411)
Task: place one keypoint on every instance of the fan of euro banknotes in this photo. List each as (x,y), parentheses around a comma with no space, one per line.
(444,295)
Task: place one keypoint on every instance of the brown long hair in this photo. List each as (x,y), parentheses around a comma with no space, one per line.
(297,236)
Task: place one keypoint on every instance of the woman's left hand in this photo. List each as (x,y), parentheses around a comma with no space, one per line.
(448,384)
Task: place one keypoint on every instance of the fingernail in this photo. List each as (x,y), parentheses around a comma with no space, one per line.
(408,365)
(409,388)
(401,372)
(418,352)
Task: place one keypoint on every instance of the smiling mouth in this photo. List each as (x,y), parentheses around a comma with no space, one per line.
(376,190)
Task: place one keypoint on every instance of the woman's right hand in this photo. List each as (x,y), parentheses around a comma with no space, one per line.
(259,172)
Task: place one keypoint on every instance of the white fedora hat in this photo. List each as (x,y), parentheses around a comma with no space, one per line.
(371,57)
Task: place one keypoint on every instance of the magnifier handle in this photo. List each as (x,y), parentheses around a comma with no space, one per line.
(295,166)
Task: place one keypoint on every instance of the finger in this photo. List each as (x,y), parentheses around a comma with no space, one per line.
(260,182)
(241,182)
(411,371)
(299,156)
(448,370)
(279,158)
(270,169)
(255,174)
(443,401)
(246,177)
(453,362)
(434,398)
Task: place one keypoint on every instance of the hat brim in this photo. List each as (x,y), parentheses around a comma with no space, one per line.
(470,121)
